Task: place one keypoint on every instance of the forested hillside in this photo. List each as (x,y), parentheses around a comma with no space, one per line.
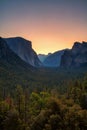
(45,110)
(43,99)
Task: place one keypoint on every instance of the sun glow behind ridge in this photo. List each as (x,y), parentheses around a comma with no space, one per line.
(50,25)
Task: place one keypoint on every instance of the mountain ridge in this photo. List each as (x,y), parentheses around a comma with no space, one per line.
(23,48)
(75,57)
(54,59)
(42,57)
(11,59)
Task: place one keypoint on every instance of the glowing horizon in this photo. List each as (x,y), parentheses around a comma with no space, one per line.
(50,25)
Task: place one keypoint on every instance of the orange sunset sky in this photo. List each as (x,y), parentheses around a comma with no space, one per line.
(51,25)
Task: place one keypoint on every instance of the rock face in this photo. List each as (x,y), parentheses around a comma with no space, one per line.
(5,52)
(42,57)
(9,58)
(23,48)
(54,59)
(75,57)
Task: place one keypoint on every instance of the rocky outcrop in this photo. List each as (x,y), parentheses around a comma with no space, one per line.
(23,48)
(53,60)
(5,52)
(75,57)
(42,57)
(9,58)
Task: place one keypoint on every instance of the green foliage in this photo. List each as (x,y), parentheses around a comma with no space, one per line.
(12,121)
(45,99)
(78,92)
(41,111)
(59,116)
(4,108)
(38,102)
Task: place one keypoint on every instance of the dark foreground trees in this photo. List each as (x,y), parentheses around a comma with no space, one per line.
(45,110)
(59,116)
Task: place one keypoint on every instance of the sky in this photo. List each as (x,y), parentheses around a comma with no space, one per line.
(51,25)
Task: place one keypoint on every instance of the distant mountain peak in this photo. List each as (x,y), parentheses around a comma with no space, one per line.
(23,48)
(79,44)
(75,57)
(84,42)
(18,40)
(53,59)
(42,57)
